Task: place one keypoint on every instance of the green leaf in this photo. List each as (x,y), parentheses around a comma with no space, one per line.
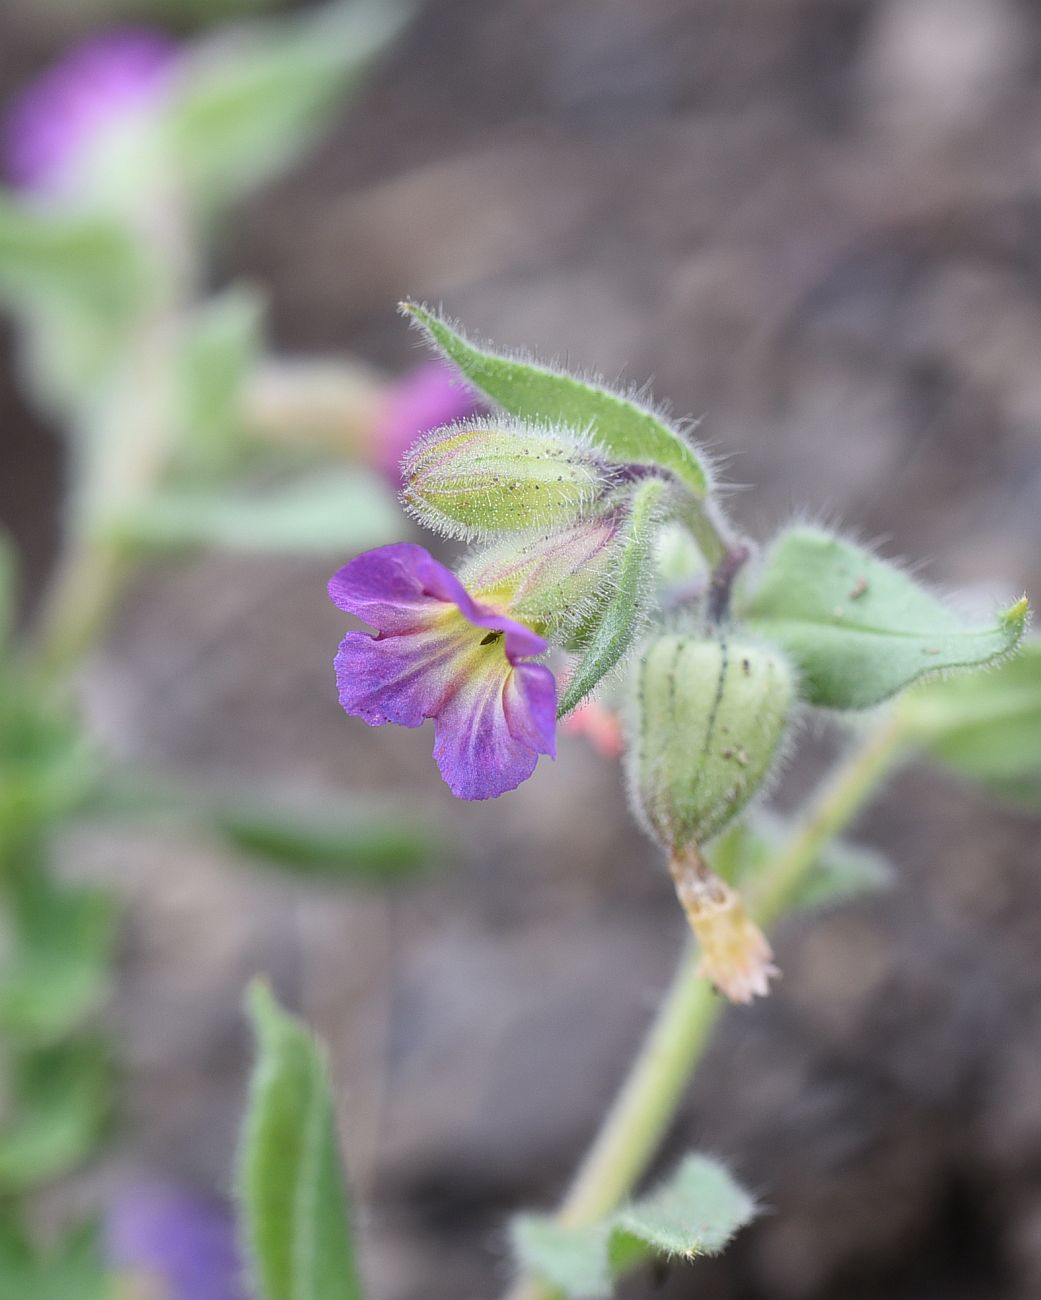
(8,590)
(59,1100)
(843,870)
(986,726)
(67,256)
(72,1269)
(61,948)
(361,848)
(254,99)
(220,347)
(291,1187)
(619,622)
(337,511)
(696,1212)
(859,629)
(628,431)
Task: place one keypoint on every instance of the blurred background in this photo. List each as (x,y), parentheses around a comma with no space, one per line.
(816,223)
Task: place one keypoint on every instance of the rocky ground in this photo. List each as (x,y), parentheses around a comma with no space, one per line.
(818,224)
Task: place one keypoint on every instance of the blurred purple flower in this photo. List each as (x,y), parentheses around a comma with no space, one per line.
(428,397)
(440,654)
(180,1242)
(50,124)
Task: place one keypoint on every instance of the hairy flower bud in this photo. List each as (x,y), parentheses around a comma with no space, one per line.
(710,717)
(492,475)
(555,581)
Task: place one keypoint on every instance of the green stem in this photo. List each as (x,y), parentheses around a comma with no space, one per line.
(647,1103)
(78,603)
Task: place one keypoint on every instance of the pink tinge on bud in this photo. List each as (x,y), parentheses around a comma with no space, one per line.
(599,726)
(97,84)
(736,957)
(429,397)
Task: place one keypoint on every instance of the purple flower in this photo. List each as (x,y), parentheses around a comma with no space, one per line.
(430,396)
(180,1243)
(440,654)
(57,118)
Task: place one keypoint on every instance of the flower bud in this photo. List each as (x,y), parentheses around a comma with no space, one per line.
(711,715)
(492,475)
(556,581)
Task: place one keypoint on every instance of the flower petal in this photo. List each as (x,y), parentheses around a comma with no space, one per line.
(529,701)
(395,588)
(402,588)
(477,753)
(401,679)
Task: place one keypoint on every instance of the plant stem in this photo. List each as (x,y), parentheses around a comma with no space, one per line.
(647,1102)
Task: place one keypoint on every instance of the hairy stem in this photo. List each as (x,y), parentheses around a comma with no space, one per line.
(649,1098)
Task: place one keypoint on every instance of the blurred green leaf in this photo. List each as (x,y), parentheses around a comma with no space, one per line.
(696,1212)
(619,621)
(842,871)
(58,1099)
(46,763)
(67,256)
(221,344)
(986,726)
(859,629)
(73,1269)
(57,972)
(252,100)
(628,431)
(353,848)
(8,592)
(337,511)
(291,1187)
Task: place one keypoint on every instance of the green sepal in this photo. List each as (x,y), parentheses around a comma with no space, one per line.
(986,726)
(618,623)
(628,431)
(859,629)
(291,1189)
(695,1212)
(321,514)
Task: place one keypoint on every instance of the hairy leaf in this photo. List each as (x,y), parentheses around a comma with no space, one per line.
(986,726)
(619,622)
(291,1188)
(695,1212)
(628,431)
(860,629)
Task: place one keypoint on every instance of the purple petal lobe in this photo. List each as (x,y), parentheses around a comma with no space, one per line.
(181,1241)
(402,679)
(476,752)
(57,117)
(530,705)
